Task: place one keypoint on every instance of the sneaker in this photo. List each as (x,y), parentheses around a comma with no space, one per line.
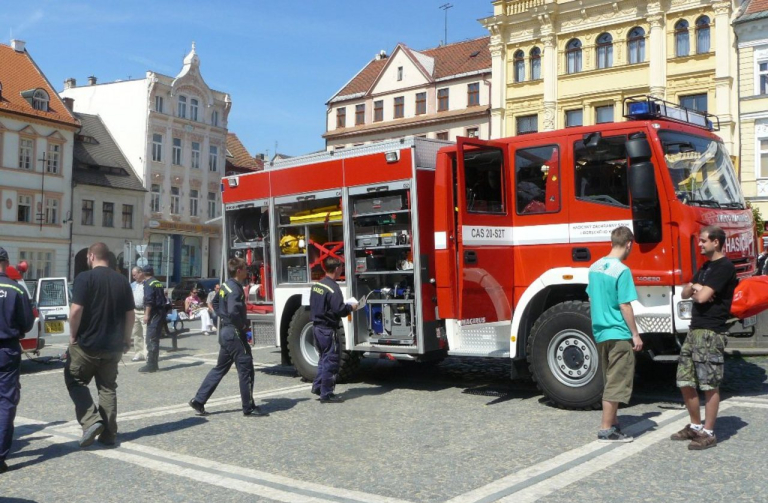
(613,437)
(138,358)
(255,411)
(332,398)
(199,408)
(702,441)
(107,439)
(206,333)
(686,433)
(148,368)
(90,434)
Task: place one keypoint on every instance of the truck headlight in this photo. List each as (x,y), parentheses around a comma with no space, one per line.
(685,309)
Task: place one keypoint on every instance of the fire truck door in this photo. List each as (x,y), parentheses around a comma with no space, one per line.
(484,251)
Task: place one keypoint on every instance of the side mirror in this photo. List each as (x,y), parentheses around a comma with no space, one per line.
(642,182)
(593,142)
(638,149)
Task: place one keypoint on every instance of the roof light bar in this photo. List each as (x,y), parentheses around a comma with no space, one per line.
(649,107)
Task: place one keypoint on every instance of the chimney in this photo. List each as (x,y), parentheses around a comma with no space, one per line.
(69,103)
(381,55)
(70,83)
(91,80)
(18,45)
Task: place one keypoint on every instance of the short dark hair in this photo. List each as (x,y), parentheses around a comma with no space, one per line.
(99,251)
(621,235)
(234,264)
(330,264)
(714,232)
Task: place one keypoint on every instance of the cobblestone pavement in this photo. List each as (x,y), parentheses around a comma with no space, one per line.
(460,431)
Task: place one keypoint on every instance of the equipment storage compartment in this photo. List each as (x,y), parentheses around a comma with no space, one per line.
(248,235)
(309,229)
(384,276)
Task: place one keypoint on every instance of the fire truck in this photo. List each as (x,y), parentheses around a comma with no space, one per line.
(482,248)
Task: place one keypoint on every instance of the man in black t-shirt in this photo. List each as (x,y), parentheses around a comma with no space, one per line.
(701,357)
(101,322)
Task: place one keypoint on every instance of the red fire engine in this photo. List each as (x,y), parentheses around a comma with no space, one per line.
(481,248)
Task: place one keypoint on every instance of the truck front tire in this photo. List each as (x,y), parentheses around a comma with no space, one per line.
(563,359)
(301,349)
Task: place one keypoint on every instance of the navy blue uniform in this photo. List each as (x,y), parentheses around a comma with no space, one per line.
(327,307)
(229,305)
(154,297)
(16,319)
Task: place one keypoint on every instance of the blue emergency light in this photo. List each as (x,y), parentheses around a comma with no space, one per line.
(649,107)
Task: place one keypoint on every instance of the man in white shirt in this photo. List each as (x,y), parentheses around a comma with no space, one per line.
(139,327)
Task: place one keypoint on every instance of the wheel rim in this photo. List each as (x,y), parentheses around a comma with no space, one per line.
(572,358)
(307,345)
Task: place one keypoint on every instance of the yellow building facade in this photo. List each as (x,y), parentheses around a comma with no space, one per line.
(559,63)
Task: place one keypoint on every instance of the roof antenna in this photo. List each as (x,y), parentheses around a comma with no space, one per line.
(445,8)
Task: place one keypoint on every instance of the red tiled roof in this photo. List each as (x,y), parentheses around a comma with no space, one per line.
(451,59)
(240,159)
(756,6)
(18,73)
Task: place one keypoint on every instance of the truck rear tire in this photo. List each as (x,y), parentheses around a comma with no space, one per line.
(301,349)
(563,359)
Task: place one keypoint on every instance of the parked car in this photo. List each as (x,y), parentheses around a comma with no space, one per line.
(181,291)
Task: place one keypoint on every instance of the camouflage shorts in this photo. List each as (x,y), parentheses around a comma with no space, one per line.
(701,360)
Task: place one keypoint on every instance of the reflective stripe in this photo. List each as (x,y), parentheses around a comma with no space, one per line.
(325,286)
(228,289)
(2,285)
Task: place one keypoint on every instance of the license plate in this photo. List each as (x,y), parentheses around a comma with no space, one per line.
(54,327)
(749,322)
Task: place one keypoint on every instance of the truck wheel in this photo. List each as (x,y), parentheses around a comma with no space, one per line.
(304,356)
(563,359)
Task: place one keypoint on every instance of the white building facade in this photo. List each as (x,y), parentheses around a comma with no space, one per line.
(173,131)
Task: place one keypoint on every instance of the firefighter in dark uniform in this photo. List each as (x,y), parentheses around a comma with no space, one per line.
(154,317)
(229,306)
(327,307)
(16,319)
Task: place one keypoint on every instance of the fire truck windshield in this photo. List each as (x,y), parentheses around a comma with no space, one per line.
(701,171)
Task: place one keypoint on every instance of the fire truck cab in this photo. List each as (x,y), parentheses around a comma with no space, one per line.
(482,248)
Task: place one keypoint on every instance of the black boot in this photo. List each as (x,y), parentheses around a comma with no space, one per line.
(151,365)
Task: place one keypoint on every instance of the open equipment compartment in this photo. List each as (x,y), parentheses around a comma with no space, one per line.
(248,234)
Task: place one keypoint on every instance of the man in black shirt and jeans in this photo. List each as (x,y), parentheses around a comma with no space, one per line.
(101,322)
(701,357)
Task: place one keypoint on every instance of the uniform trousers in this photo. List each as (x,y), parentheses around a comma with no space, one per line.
(327,345)
(234,349)
(154,328)
(10,391)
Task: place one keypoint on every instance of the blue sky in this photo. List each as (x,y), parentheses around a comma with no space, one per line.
(279,60)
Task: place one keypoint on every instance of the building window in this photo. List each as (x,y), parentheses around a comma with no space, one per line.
(159,104)
(762,77)
(177,151)
(40,100)
(108,214)
(212,205)
(40,263)
(399,107)
(421,103)
(473,94)
(573,56)
(378,111)
(519,62)
(215,118)
(697,102)
(154,202)
(682,39)
(54,158)
(127,216)
(360,114)
(399,73)
(87,212)
(193,202)
(443,135)
(51,211)
(157,147)
(175,200)
(341,117)
(26,150)
(196,155)
(442,99)
(636,45)
(213,158)
(763,172)
(527,124)
(193,106)
(605,51)
(702,35)
(24,213)
(603,114)
(574,118)
(473,132)
(535,57)
(182,107)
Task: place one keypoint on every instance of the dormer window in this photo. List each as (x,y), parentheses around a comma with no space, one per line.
(40,100)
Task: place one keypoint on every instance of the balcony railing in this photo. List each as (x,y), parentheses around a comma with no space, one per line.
(520,6)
